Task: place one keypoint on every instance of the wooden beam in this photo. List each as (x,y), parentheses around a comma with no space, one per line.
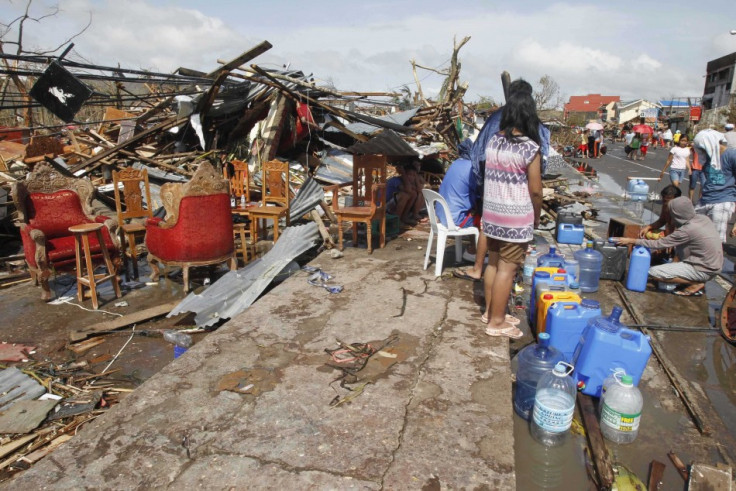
(245,57)
(656,472)
(126,320)
(601,457)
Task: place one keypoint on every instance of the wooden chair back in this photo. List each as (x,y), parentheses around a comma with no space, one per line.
(132,194)
(275,183)
(239,179)
(367,171)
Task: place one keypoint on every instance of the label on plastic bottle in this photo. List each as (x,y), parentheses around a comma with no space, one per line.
(618,420)
(553,411)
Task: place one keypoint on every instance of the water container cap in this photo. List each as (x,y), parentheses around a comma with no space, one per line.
(552,249)
(562,369)
(588,303)
(625,379)
(561,271)
(543,336)
(574,284)
(547,296)
(616,312)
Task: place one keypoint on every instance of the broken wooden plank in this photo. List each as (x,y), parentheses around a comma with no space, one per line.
(243,58)
(34,457)
(656,472)
(601,457)
(126,320)
(679,465)
(85,345)
(91,163)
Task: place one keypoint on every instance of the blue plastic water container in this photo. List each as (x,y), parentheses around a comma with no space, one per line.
(566,322)
(551,259)
(534,361)
(178,351)
(570,233)
(638,190)
(636,279)
(543,281)
(605,345)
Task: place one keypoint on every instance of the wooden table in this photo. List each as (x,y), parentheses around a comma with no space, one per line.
(90,279)
(240,230)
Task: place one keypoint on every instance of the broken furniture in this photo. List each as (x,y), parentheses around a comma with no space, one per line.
(132,194)
(275,195)
(48,203)
(239,179)
(369,201)
(89,279)
(443,232)
(198,227)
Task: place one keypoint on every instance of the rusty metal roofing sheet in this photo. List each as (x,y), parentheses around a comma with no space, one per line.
(17,386)
(385,143)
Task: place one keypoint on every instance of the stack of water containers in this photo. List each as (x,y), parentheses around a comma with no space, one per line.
(638,190)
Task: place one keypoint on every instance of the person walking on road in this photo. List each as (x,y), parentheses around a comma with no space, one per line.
(512,203)
(718,199)
(667,137)
(678,162)
(730,136)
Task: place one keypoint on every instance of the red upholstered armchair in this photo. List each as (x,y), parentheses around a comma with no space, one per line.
(198,228)
(48,203)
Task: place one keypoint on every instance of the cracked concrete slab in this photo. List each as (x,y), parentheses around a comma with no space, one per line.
(435,408)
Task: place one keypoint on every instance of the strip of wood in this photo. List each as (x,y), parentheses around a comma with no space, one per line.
(86,345)
(126,320)
(656,472)
(14,445)
(679,465)
(598,448)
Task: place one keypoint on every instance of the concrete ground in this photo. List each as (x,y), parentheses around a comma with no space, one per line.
(435,409)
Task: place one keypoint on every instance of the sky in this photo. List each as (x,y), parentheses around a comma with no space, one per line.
(654,50)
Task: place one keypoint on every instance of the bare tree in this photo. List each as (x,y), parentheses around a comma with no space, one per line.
(19,23)
(547,96)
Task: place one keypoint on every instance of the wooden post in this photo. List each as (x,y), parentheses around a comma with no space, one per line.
(598,447)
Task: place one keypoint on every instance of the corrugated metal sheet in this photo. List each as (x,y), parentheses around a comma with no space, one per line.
(400,118)
(309,195)
(336,167)
(385,143)
(237,290)
(17,386)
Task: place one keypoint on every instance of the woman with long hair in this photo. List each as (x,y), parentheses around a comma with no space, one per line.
(512,202)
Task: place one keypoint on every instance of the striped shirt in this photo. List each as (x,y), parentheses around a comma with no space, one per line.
(508,213)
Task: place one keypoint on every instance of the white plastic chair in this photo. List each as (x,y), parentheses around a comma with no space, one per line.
(430,198)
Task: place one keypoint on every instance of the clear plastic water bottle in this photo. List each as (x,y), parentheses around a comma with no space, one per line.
(554,406)
(621,413)
(534,361)
(590,262)
(180,340)
(530,263)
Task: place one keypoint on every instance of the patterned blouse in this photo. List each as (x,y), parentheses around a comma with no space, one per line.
(508,213)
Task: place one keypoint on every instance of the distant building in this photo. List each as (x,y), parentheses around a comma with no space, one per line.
(633,110)
(587,107)
(720,82)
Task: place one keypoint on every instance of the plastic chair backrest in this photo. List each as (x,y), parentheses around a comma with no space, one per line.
(432,197)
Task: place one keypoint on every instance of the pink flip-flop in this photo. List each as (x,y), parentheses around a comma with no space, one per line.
(511,332)
(510,319)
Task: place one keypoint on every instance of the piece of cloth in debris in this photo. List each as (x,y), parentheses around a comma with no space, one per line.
(708,145)
(490,128)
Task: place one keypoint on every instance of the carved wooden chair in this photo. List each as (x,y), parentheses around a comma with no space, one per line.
(135,183)
(198,227)
(275,197)
(237,174)
(48,203)
(369,203)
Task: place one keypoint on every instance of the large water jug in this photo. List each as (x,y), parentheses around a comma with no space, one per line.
(638,190)
(551,259)
(554,406)
(636,279)
(621,410)
(605,345)
(614,259)
(590,268)
(548,299)
(555,281)
(566,322)
(534,361)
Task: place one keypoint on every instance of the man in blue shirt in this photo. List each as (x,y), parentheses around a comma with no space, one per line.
(458,189)
(718,198)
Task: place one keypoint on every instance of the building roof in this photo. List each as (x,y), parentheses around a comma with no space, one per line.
(674,103)
(589,103)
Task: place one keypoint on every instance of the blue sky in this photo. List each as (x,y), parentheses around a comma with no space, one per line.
(653,50)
